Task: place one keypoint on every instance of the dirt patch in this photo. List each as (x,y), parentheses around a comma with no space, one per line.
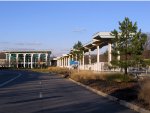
(127,91)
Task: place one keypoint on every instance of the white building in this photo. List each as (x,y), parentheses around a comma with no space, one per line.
(27,59)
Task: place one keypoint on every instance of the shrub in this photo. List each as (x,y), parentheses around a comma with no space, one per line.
(144,92)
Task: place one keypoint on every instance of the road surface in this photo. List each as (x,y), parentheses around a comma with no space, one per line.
(36,92)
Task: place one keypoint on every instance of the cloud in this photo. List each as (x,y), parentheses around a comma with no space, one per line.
(4,42)
(65,50)
(19,43)
(34,43)
(79,30)
(29,44)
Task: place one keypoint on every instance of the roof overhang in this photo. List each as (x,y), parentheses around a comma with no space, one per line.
(102,35)
(27,51)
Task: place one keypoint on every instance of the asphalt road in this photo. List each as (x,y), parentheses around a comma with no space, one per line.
(47,93)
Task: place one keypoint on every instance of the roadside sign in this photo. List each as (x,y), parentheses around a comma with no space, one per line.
(72,62)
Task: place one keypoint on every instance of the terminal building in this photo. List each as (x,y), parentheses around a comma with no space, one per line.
(27,59)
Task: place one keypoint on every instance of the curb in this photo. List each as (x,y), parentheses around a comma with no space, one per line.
(121,102)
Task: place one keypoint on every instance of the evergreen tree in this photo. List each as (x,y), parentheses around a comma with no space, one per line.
(128,44)
(77,50)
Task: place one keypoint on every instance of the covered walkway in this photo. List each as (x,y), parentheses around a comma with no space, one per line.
(99,40)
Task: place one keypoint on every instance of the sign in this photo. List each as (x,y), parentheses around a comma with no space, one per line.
(72,62)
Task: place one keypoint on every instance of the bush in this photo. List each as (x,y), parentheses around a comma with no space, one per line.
(144,92)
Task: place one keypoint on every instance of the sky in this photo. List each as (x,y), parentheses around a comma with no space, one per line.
(57,26)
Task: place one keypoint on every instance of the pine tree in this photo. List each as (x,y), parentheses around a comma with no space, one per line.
(128,44)
(77,50)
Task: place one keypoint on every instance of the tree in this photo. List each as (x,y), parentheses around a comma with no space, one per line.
(77,50)
(128,44)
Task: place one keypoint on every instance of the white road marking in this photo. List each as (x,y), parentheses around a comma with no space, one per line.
(10,80)
(40,95)
(40,82)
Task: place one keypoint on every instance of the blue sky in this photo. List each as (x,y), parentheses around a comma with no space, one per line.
(58,25)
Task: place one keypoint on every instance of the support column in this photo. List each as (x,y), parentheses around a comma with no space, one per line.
(46,56)
(24,60)
(98,53)
(6,56)
(66,61)
(109,53)
(83,61)
(9,59)
(60,62)
(6,61)
(39,55)
(76,58)
(31,61)
(69,61)
(90,56)
(17,59)
(72,58)
(63,62)
(80,64)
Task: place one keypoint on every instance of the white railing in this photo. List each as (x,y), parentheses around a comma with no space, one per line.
(101,66)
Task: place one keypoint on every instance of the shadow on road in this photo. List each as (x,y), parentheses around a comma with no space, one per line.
(36,99)
(26,76)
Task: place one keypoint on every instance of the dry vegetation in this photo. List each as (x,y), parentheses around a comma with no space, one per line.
(90,75)
(40,70)
(144,93)
(57,70)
